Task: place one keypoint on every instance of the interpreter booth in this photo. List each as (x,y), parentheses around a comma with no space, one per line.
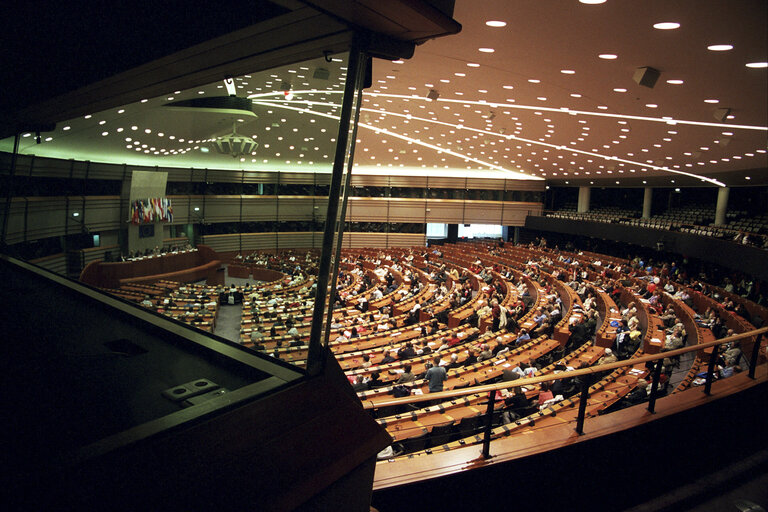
(114,405)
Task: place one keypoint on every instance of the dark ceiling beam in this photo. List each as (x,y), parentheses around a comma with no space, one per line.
(299,35)
(405,20)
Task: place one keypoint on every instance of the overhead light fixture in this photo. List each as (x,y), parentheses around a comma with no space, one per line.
(720,47)
(666,25)
(234,144)
(496,23)
(757,65)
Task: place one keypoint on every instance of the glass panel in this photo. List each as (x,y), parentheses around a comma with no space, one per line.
(248,173)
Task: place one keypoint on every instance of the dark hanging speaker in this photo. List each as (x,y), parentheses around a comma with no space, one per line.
(646,76)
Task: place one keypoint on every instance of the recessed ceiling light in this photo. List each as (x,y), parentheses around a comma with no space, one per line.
(666,25)
(473,64)
(674,81)
(486,50)
(711,101)
(575,95)
(534,80)
(757,64)
(747,178)
(651,105)
(608,56)
(567,71)
(619,89)
(496,23)
(508,87)
(720,47)
(592,2)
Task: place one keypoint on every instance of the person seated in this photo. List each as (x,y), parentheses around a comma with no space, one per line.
(375,381)
(522,337)
(390,357)
(639,394)
(256,334)
(485,353)
(406,376)
(454,363)
(608,358)
(366,361)
(407,351)
(472,357)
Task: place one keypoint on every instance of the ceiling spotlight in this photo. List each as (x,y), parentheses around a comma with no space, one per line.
(433,94)
(234,144)
(666,25)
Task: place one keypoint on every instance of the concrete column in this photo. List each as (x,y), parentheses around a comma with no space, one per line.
(647,199)
(583,204)
(722,205)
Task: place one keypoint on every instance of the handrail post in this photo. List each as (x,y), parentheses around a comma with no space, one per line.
(655,387)
(753,359)
(583,404)
(488,424)
(711,370)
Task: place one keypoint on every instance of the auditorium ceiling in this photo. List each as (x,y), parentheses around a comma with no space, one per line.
(527,90)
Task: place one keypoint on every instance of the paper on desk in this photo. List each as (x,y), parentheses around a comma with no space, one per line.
(417,391)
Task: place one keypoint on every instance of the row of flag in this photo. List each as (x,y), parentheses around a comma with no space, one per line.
(150,210)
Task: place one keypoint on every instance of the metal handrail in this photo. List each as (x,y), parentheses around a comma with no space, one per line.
(592,370)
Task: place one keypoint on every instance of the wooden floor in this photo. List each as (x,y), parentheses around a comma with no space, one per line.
(409,470)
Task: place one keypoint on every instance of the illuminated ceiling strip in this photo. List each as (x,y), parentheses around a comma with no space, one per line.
(440,150)
(565,110)
(558,147)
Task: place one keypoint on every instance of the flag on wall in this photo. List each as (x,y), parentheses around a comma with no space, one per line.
(144,211)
